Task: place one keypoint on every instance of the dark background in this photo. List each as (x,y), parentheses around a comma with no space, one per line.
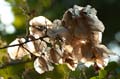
(108,13)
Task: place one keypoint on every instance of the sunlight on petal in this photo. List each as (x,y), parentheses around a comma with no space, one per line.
(16,52)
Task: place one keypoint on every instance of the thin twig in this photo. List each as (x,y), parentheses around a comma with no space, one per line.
(25,42)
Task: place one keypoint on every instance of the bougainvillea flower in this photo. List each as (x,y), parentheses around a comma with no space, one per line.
(38,26)
(18,51)
(42,65)
(75,39)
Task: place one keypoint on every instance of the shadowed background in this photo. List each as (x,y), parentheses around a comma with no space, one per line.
(108,13)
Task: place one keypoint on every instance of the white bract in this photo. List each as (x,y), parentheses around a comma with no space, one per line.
(38,26)
(41,65)
(40,21)
(17,52)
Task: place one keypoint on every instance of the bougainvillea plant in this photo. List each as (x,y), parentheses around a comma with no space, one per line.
(74,39)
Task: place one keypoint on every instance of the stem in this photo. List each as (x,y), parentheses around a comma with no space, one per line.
(25,42)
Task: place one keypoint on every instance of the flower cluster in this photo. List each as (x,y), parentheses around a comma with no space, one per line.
(74,39)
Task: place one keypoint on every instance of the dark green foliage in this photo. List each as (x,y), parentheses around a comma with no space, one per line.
(111,71)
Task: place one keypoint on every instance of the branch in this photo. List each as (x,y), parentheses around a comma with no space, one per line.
(41,38)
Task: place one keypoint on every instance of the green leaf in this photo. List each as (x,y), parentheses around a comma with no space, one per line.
(102,74)
(61,71)
(96,77)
